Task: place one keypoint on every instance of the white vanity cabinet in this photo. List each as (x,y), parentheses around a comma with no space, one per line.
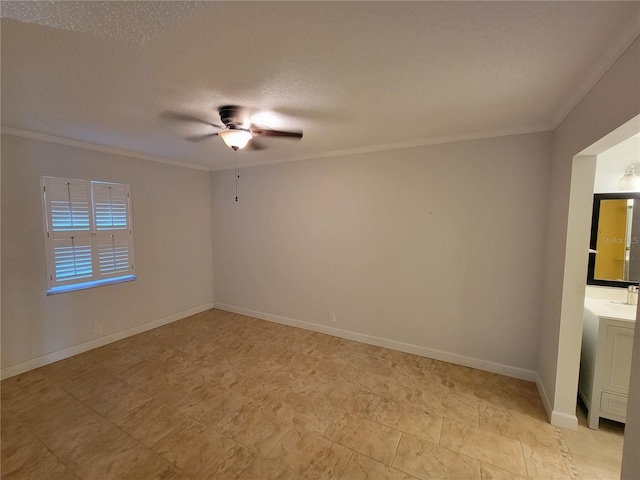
(605,365)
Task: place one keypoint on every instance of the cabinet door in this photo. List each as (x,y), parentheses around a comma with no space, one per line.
(618,358)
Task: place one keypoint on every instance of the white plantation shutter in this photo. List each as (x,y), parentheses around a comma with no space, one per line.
(89,235)
(72,259)
(68,205)
(113,230)
(113,256)
(110,205)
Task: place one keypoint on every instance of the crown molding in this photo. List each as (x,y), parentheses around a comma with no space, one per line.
(624,40)
(393,146)
(16,132)
(311,156)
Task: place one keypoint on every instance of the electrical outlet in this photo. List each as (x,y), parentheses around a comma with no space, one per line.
(97,327)
(332,317)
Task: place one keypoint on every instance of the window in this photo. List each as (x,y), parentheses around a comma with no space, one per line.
(88,233)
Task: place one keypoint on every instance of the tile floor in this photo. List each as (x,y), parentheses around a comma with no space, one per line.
(224,396)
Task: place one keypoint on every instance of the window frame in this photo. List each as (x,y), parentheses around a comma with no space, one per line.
(95,237)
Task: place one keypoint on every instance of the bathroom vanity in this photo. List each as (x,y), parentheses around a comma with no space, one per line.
(605,365)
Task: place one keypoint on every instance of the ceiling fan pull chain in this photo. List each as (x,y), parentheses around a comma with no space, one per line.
(237,174)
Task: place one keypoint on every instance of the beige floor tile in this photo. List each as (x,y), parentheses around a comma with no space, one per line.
(173,387)
(74,445)
(210,407)
(489,472)
(327,352)
(126,459)
(170,472)
(373,364)
(46,419)
(171,336)
(310,411)
(153,420)
(116,402)
(216,371)
(138,373)
(423,380)
(302,346)
(526,404)
(324,339)
(262,391)
(212,364)
(65,370)
(200,347)
(288,382)
(19,447)
(253,428)
(530,431)
(409,418)
(364,436)
(362,348)
(69,429)
(385,387)
(601,444)
(434,367)
(361,467)
(426,460)
(215,375)
(456,407)
(351,399)
(545,464)
(297,363)
(309,455)
(477,385)
(459,375)
(240,463)
(330,371)
(28,390)
(401,358)
(194,449)
(590,468)
(260,362)
(484,446)
(48,467)
(119,365)
(90,382)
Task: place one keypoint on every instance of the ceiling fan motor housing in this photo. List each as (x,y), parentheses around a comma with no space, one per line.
(232,116)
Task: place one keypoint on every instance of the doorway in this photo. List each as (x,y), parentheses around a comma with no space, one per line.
(575,272)
(574,281)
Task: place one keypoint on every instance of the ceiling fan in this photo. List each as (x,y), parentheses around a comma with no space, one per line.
(237,130)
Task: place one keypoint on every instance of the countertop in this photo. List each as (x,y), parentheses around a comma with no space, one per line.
(609,309)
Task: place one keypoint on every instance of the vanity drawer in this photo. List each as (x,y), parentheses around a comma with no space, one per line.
(613,404)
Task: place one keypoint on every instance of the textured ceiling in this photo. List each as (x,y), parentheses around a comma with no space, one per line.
(354,76)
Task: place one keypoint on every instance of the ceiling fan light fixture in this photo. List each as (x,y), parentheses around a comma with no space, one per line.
(631,179)
(235,138)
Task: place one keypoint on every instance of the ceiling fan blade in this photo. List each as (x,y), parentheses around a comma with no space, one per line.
(180,117)
(200,138)
(254,145)
(265,132)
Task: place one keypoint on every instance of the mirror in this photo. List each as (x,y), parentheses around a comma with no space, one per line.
(614,255)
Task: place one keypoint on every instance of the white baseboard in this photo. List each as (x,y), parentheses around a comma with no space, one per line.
(52,357)
(543,395)
(493,367)
(564,420)
(559,419)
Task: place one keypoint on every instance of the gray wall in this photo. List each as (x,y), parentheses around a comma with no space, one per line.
(612,102)
(436,249)
(172,235)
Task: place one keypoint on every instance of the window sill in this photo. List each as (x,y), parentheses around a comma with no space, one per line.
(85,285)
